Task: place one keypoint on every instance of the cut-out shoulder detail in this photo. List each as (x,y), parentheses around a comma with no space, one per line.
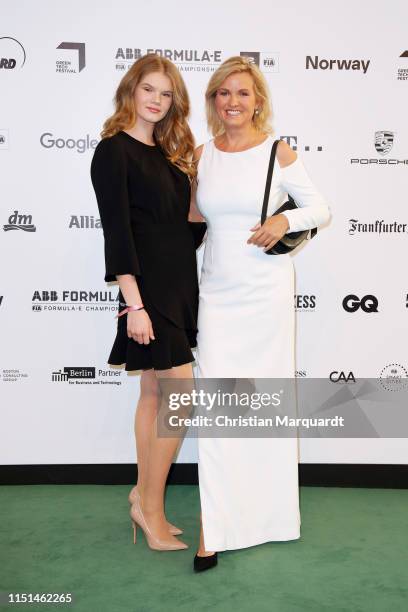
(295,163)
(285,155)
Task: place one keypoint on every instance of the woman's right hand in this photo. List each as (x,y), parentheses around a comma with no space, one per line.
(139,326)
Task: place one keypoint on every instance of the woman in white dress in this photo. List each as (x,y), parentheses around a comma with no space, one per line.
(246,321)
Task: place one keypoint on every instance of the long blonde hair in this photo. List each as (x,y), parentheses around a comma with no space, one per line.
(230,66)
(172,133)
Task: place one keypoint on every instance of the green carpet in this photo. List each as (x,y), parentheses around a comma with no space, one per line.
(352,556)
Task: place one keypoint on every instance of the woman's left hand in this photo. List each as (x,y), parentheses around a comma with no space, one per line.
(268,234)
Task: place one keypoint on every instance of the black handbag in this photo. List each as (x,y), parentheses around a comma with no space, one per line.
(290,241)
(198,229)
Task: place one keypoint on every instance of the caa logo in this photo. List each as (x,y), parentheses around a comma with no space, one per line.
(340,377)
(368,303)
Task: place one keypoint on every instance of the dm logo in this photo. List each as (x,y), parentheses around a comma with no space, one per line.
(17,221)
(383,142)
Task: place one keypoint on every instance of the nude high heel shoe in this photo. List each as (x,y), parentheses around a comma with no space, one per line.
(154,543)
(134,495)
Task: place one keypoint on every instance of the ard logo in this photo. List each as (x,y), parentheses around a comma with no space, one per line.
(383,142)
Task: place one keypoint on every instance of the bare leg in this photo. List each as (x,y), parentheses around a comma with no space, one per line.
(161,453)
(145,416)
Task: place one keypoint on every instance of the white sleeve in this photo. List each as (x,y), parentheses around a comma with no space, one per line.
(313,208)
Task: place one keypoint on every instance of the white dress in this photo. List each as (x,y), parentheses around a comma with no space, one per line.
(246,323)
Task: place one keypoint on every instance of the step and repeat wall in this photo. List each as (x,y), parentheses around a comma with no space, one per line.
(338,76)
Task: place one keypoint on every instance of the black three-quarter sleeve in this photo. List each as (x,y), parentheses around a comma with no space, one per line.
(109,179)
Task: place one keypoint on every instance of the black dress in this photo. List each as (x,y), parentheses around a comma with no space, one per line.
(143,203)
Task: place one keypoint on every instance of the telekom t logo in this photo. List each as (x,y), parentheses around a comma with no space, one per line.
(80,47)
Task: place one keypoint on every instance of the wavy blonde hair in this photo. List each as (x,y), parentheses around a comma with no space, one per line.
(230,66)
(172,133)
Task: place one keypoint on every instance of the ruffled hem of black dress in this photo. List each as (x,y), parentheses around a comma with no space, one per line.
(171,347)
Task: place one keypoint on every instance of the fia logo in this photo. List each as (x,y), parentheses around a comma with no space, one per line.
(267,61)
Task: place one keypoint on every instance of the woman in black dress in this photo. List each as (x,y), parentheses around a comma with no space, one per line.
(141,172)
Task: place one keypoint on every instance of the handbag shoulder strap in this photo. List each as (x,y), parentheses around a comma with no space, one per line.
(269,181)
(313,231)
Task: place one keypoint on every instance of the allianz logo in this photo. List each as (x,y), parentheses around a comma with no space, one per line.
(84,222)
(316,63)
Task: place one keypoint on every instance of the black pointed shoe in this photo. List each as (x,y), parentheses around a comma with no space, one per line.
(201,564)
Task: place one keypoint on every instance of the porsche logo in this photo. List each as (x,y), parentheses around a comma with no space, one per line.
(383,142)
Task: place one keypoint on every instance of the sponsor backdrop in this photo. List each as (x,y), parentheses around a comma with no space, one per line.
(339,93)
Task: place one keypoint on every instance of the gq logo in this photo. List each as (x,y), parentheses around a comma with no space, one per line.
(368,303)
